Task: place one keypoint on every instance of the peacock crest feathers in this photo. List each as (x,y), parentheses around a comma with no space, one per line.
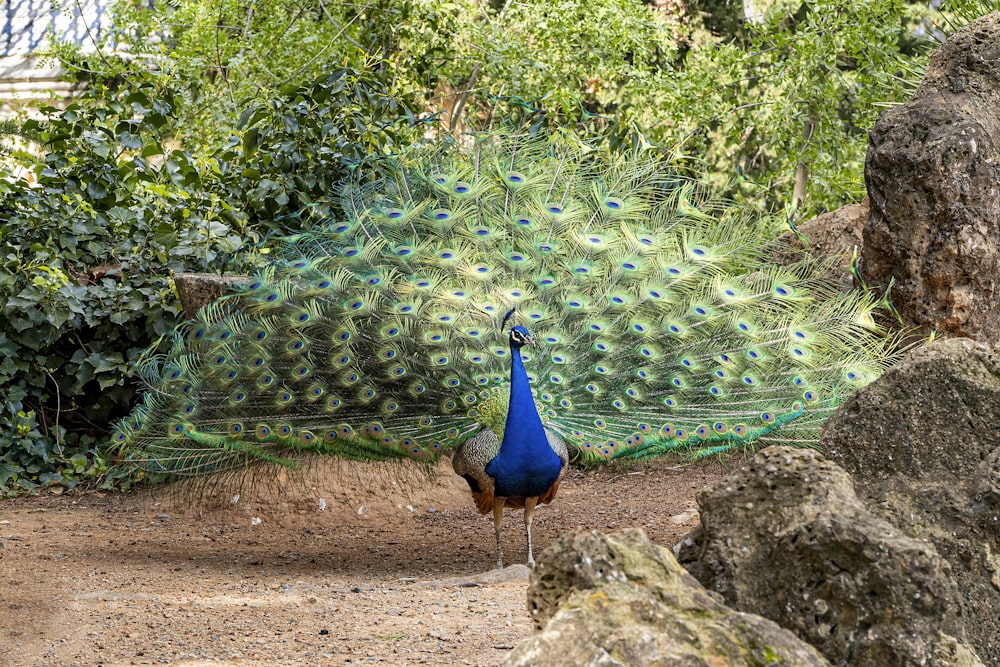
(663,320)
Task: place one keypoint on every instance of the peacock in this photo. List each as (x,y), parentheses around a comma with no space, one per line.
(514,301)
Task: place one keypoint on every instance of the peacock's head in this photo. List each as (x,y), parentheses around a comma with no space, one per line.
(519,337)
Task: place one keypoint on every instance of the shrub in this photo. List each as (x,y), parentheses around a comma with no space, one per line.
(86,250)
(88,247)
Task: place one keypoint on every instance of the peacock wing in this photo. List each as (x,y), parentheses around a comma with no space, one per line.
(470,460)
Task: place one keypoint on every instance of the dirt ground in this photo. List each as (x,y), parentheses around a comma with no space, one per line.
(344,564)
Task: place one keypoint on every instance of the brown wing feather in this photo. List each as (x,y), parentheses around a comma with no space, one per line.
(470,461)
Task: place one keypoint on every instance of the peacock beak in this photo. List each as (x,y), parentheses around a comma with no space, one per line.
(528,340)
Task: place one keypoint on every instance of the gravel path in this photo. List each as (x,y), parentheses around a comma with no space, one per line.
(345,564)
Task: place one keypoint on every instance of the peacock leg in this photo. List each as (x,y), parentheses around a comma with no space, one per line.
(498,504)
(529,512)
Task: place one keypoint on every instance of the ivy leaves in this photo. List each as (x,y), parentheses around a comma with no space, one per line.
(88,247)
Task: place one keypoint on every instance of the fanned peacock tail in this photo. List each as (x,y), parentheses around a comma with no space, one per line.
(663,320)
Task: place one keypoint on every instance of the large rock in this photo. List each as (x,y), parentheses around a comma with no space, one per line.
(921,443)
(933,176)
(836,235)
(837,232)
(608,600)
(786,537)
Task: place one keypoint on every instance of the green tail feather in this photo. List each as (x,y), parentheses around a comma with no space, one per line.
(665,325)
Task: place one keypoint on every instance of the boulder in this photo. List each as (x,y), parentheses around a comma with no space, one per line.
(921,447)
(621,600)
(933,177)
(837,232)
(836,235)
(786,537)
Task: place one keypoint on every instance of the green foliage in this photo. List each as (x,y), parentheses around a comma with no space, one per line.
(115,207)
(297,147)
(85,252)
(224,55)
(221,54)
(788,100)
(12,133)
(574,56)
(956,13)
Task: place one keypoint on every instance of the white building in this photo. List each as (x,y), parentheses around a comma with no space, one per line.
(26,26)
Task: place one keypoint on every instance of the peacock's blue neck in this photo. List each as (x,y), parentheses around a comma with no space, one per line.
(523,423)
(526,465)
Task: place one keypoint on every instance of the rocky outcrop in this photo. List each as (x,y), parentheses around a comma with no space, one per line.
(604,600)
(785,537)
(933,176)
(921,445)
